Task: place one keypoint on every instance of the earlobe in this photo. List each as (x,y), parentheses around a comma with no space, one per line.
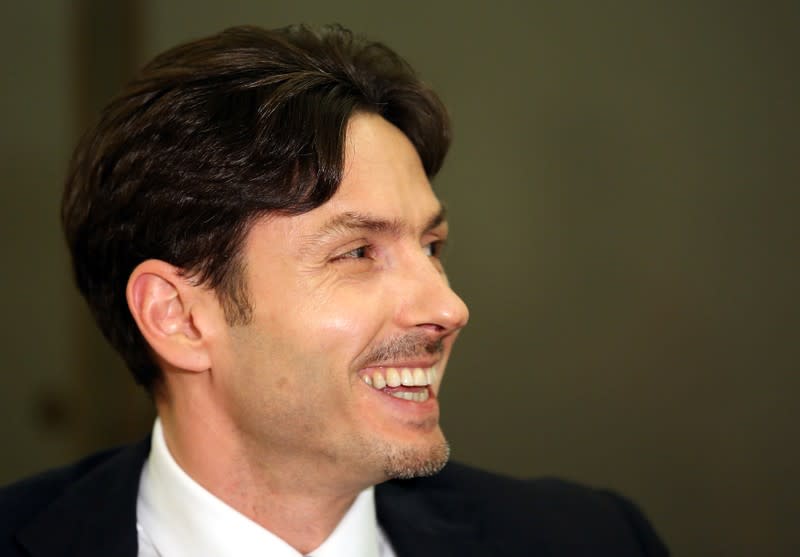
(160,300)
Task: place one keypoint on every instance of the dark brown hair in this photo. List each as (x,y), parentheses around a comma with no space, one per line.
(213,134)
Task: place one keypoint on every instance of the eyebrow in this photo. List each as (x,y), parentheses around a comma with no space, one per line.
(350,221)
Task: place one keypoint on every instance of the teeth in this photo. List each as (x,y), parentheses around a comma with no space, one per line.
(421,396)
(407,377)
(393,377)
(403,394)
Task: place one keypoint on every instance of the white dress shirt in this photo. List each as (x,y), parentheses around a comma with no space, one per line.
(177,517)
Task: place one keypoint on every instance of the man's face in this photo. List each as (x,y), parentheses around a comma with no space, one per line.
(347,298)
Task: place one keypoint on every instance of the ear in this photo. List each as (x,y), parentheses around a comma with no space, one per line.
(163,304)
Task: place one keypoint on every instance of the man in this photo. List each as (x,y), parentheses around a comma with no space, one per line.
(252,224)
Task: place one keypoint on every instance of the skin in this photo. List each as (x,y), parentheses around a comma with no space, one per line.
(273,417)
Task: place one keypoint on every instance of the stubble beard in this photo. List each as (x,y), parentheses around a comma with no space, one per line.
(406,462)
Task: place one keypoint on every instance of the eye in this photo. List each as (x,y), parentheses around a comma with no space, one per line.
(357,253)
(434,249)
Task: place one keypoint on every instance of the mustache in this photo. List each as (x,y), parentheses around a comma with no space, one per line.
(406,347)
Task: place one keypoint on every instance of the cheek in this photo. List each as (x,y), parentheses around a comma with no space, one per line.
(316,330)
(335,339)
(344,321)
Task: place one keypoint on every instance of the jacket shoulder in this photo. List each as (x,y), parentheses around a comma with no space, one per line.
(32,493)
(24,500)
(553,513)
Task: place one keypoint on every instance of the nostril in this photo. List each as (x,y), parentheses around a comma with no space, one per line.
(433,327)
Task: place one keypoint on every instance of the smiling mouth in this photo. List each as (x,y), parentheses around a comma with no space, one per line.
(405,383)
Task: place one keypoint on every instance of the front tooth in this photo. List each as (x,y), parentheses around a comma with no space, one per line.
(405,395)
(378,381)
(434,375)
(367,379)
(408,377)
(392,377)
(429,376)
(420,379)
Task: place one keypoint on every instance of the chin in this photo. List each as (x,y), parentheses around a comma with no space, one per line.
(404,463)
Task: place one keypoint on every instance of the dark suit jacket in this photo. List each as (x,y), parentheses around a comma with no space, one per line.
(89,510)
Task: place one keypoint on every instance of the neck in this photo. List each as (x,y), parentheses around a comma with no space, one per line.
(295,500)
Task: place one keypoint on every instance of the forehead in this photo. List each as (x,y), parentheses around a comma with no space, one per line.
(382,172)
(383,178)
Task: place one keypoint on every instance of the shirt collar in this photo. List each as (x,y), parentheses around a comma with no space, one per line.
(183,519)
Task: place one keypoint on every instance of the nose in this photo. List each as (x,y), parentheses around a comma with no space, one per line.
(428,301)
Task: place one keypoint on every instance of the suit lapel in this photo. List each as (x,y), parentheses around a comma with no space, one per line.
(423,520)
(96,516)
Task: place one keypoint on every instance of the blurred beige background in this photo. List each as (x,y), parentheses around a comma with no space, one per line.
(623,191)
